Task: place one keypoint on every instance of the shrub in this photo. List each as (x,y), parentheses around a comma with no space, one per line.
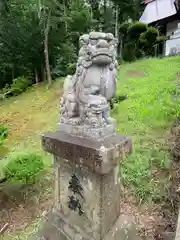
(139,40)
(57,71)
(131,33)
(149,37)
(129,52)
(123,29)
(136,29)
(24,167)
(67,54)
(2,96)
(3,133)
(71,69)
(19,85)
(148,41)
(68,51)
(161,39)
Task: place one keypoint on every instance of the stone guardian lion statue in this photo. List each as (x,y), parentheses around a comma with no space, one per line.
(86,94)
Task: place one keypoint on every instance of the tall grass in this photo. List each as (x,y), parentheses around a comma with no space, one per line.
(152,89)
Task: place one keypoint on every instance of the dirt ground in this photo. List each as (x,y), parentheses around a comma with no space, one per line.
(19,206)
(134,73)
(158,220)
(169,206)
(19,211)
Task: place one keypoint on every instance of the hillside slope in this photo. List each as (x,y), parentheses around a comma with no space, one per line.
(153,104)
(147,115)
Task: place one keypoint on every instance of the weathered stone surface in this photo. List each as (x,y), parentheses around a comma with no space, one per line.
(49,232)
(169,236)
(98,133)
(86,94)
(56,228)
(100,205)
(177,237)
(98,156)
(125,228)
(94,166)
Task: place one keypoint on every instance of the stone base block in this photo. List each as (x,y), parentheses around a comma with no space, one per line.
(98,156)
(57,228)
(87,185)
(86,131)
(125,228)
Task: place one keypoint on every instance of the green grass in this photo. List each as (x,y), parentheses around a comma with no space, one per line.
(147,115)
(27,116)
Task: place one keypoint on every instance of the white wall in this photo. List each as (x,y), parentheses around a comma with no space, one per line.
(173,44)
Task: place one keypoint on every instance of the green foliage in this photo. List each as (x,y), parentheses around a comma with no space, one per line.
(139,41)
(161,39)
(123,28)
(2,96)
(135,30)
(147,115)
(150,35)
(71,69)
(129,52)
(24,167)
(69,53)
(21,41)
(20,85)
(22,30)
(136,173)
(3,133)
(24,25)
(128,9)
(148,41)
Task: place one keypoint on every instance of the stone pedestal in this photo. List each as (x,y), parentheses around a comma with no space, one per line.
(86,187)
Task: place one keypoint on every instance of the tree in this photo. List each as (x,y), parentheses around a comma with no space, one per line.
(21,44)
(41,36)
(139,40)
(95,13)
(44,13)
(126,10)
(4,6)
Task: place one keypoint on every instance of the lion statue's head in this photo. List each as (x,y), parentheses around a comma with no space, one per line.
(97,48)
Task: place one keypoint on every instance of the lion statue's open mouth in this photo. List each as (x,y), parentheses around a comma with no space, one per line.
(101,59)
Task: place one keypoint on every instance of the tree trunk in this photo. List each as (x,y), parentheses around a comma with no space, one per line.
(39,9)
(36,76)
(12,71)
(65,14)
(46,54)
(44,74)
(46,51)
(117,25)
(105,11)
(120,47)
